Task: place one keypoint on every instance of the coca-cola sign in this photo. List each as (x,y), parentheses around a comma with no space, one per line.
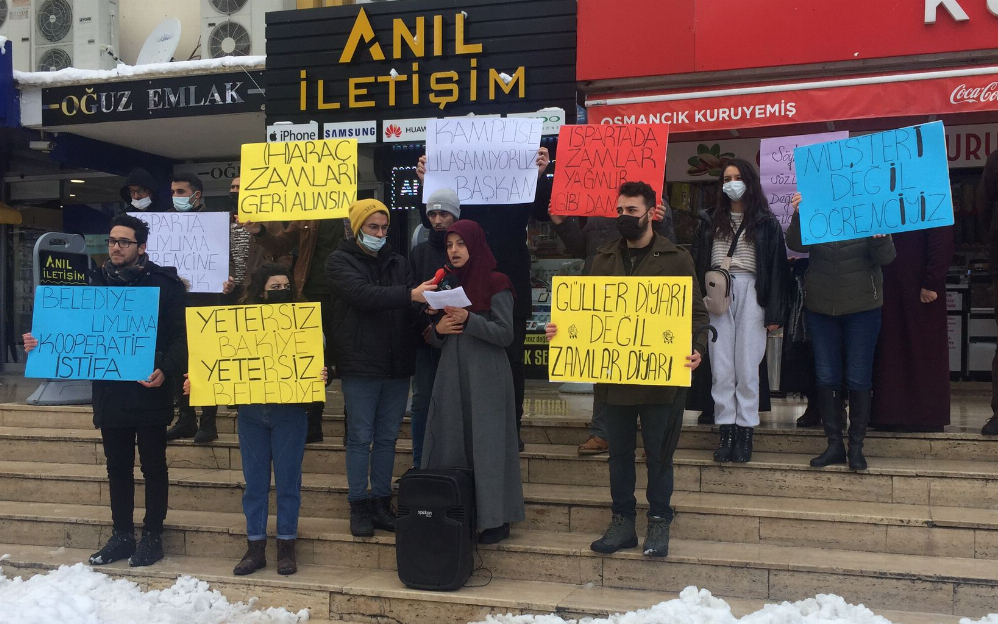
(968,95)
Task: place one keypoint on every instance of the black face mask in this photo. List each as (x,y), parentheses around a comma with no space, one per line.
(631,227)
(279,296)
(233,202)
(438,237)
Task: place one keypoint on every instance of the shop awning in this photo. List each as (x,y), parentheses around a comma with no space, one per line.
(944,92)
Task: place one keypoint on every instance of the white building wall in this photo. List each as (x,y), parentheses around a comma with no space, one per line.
(139,17)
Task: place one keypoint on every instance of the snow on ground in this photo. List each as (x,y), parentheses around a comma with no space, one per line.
(699,607)
(72,75)
(79,595)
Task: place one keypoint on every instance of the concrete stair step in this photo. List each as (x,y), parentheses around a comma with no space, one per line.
(571,430)
(873,527)
(629,581)
(888,480)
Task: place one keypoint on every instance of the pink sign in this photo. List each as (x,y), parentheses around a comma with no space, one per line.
(779,175)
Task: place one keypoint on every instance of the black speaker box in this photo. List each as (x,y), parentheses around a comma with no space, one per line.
(435,530)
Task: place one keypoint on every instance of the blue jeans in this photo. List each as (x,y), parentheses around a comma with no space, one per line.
(375,407)
(272,434)
(422,389)
(853,336)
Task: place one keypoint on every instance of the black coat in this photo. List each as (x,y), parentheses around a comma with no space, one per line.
(374,319)
(772,270)
(506,232)
(129,403)
(426,258)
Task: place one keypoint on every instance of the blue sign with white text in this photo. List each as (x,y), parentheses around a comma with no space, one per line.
(88,332)
(894,181)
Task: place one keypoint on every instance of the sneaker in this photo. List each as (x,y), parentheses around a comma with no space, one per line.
(120,546)
(149,550)
(657,539)
(620,534)
(991,427)
(594,446)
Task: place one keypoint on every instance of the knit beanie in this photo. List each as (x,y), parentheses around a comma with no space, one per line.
(361,210)
(445,199)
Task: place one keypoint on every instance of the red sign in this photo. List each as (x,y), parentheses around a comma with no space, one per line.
(910,95)
(690,36)
(593,161)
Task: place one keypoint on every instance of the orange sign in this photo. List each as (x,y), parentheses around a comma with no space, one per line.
(593,161)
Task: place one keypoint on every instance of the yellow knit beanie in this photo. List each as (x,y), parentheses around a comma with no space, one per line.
(361,210)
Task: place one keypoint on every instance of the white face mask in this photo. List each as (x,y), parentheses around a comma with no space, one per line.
(734,189)
(372,243)
(143,203)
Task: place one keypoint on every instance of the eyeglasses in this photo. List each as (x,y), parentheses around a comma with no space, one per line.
(123,243)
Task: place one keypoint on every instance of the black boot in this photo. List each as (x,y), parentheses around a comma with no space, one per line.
(186,427)
(149,550)
(742,451)
(120,546)
(382,514)
(207,432)
(706,417)
(254,559)
(314,423)
(810,417)
(828,406)
(859,418)
(361,524)
(723,452)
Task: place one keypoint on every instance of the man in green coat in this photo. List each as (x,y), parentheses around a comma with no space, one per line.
(641,252)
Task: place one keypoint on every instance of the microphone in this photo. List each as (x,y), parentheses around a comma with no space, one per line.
(441,272)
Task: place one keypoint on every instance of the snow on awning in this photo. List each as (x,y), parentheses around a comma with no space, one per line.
(968,90)
(73,76)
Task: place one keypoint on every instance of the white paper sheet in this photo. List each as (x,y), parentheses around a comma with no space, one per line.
(455,298)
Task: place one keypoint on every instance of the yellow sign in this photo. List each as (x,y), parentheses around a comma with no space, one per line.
(241,355)
(622,330)
(298,180)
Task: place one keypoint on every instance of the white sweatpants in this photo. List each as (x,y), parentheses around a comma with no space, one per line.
(735,357)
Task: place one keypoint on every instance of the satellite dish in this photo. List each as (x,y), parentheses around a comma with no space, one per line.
(161,44)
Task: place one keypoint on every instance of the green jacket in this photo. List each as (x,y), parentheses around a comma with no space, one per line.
(843,277)
(667,260)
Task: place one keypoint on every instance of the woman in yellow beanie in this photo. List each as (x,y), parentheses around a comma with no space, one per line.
(374,341)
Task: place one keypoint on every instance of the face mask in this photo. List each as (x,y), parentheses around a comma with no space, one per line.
(183,204)
(734,189)
(631,227)
(279,296)
(143,203)
(233,202)
(371,243)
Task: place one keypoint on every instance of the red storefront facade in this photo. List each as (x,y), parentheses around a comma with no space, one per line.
(725,73)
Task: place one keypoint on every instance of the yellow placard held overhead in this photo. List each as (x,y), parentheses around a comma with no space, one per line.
(250,354)
(297,180)
(622,330)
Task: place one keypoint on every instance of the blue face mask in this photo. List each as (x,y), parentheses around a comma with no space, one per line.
(371,243)
(183,204)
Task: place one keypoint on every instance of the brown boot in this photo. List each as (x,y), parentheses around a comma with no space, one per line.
(286,563)
(594,446)
(254,559)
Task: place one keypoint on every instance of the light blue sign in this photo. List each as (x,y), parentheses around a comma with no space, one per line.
(87,332)
(894,181)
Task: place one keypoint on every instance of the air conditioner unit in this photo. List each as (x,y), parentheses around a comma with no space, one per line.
(237,27)
(15,24)
(74,33)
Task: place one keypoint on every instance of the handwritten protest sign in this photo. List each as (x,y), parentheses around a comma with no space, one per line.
(195,243)
(88,332)
(242,355)
(594,160)
(485,161)
(622,330)
(297,180)
(778,172)
(894,181)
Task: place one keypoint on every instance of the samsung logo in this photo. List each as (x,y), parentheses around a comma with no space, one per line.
(351,133)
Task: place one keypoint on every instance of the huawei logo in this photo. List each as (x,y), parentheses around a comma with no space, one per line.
(393,131)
